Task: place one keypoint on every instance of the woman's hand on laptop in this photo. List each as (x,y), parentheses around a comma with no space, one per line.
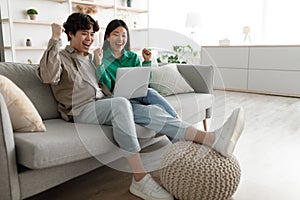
(98,54)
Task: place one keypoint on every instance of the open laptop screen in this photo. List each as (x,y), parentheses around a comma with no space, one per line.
(132,82)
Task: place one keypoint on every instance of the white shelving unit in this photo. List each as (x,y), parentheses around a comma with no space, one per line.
(13,23)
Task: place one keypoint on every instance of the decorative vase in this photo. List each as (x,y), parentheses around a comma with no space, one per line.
(129,3)
(28,42)
(32,16)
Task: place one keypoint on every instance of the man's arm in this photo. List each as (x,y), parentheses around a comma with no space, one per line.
(50,65)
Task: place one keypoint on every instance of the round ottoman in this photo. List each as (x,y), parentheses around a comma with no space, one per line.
(194,171)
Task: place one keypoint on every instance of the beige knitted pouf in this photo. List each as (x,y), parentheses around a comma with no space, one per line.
(193,171)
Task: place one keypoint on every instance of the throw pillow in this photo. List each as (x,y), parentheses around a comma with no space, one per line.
(167,80)
(24,116)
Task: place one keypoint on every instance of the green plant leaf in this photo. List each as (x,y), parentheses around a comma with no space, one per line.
(32,11)
(158,60)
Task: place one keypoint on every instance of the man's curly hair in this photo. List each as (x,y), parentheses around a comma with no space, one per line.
(79,21)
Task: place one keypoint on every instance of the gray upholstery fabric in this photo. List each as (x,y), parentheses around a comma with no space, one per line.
(200,77)
(35,181)
(191,106)
(60,153)
(66,142)
(167,80)
(24,76)
(9,182)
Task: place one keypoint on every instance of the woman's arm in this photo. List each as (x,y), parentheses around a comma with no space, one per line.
(101,73)
(103,76)
(147,57)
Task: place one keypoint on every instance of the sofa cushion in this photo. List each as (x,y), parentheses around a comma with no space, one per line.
(66,142)
(24,76)
(167,80)
(23,115)
(191,107)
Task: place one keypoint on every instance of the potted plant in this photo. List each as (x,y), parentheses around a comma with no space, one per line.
(32,13)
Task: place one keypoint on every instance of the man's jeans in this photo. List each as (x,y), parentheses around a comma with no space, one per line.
(123,114)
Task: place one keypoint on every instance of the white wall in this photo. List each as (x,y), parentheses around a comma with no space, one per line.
(271,21)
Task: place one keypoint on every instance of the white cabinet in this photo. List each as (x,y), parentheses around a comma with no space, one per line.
(17,28)
(261,69)
(275,81)
(275,58)
(275,69)
(231,66)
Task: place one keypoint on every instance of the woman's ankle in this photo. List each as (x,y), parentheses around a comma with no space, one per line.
(139,176)
(209,139)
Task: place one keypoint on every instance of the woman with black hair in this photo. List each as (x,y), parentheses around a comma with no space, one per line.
(72,76)
(116,53)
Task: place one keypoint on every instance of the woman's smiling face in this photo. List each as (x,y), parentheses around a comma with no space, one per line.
(118,39)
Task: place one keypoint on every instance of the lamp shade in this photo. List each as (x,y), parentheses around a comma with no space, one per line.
(192,20)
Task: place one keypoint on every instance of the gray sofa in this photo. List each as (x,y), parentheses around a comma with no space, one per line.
(34,162)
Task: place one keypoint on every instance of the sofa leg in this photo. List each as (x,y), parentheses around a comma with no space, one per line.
(204,124)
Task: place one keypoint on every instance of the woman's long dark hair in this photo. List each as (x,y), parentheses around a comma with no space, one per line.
(110,28)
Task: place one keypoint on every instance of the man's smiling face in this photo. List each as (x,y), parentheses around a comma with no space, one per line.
(82,40)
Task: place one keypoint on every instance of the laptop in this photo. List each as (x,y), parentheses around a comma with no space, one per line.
(132,82)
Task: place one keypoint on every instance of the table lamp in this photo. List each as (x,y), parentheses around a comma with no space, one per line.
(192,22)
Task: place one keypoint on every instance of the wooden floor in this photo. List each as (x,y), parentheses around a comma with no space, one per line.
(101,184)
(268,152)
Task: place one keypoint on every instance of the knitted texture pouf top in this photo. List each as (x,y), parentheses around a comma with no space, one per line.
(193,171)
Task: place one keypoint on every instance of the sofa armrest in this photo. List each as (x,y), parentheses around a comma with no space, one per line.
(9,182)
(200,77)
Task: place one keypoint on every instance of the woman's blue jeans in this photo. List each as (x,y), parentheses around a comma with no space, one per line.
(154,98)
(123,114)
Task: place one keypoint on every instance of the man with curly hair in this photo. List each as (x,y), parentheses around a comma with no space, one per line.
(71,74)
